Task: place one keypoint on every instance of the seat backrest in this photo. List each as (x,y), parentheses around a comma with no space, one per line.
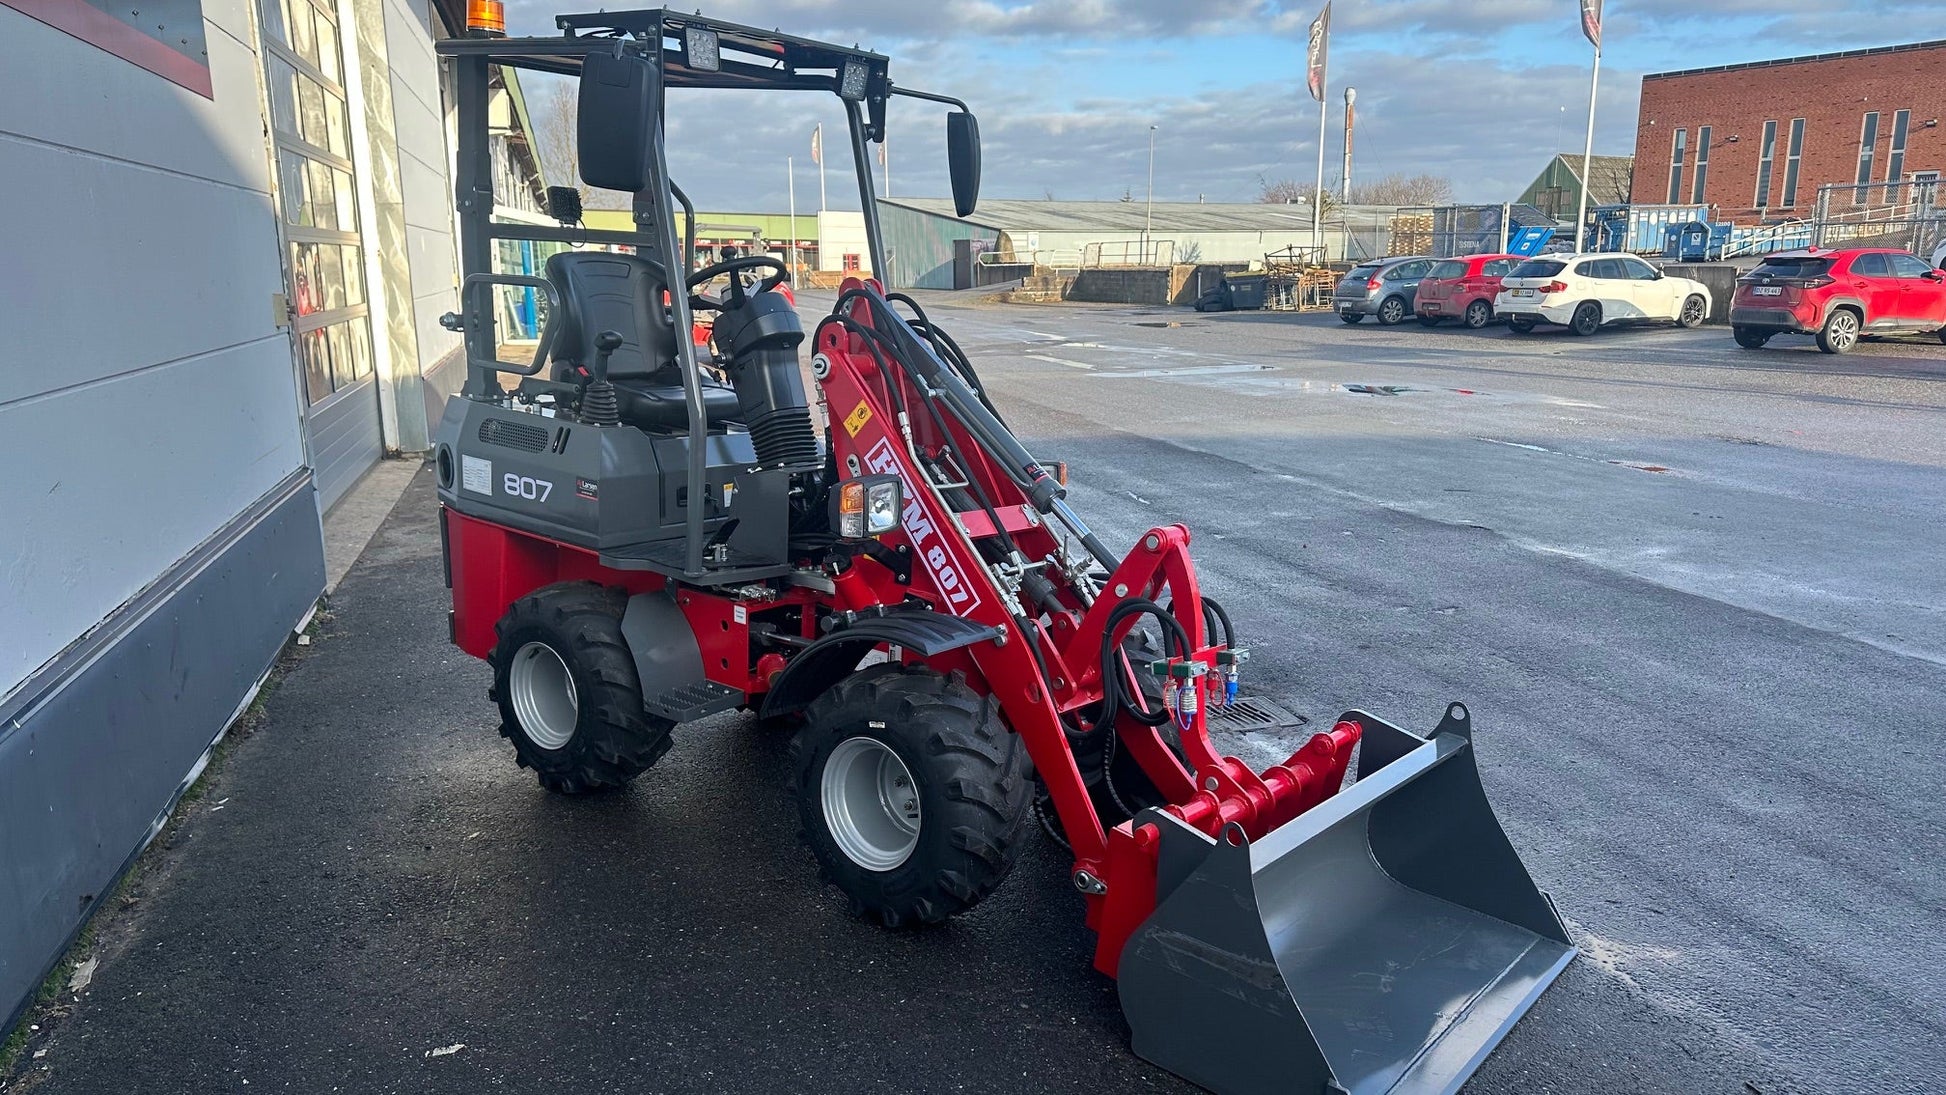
(609,291)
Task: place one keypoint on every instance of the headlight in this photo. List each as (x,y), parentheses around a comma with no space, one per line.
(868,506)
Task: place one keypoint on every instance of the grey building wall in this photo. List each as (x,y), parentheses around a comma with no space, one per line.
(158,533)
(919,245)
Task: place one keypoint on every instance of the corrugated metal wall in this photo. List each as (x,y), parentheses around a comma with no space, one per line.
(919,246)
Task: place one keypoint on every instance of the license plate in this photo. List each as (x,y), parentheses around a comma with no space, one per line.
(1431,306)
(1767,291)
(1521,292)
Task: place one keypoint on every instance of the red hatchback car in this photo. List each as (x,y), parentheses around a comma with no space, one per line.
(1463,289)
(1839,296)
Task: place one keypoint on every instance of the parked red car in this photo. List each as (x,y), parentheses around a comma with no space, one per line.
(1463,289)
(1838,296)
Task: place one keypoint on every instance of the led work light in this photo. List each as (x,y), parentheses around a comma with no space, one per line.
(701,50)
(868,506)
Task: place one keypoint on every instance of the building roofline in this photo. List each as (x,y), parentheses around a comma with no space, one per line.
(1869,52)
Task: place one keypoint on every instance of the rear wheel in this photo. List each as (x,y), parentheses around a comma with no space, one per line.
(569,698)
(1428,320)
(1351,317)
(1521,324)
(1751,338)
(1840,331)
(1391,311)
(911,793)
(1478,315)
(1693,312)
(1586,319)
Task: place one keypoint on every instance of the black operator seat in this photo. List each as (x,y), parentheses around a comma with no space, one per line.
(609,291)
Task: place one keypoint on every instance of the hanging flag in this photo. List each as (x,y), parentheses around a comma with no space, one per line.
(817,145)
(1314,53)
(1591,21)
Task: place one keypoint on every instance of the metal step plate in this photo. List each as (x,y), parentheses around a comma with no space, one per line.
(1251,715)
(690,702)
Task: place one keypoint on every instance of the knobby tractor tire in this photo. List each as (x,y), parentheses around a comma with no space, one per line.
(969,776)
(579,723)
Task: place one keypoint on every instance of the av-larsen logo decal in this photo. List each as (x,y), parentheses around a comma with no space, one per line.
(928,539)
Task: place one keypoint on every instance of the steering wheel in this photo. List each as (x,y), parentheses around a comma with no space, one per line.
(738,292)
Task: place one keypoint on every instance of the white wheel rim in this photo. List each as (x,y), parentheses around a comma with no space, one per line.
(871,804)
(542,691)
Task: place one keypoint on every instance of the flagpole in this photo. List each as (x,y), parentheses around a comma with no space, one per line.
(1317,194)
(790,174)
(1587,152)
(885,157)
(817,142)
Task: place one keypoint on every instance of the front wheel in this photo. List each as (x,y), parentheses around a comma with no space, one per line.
(1693,312)
(569,697)
(1391,312)
(1840,331)
(1478,315)
(911,793)
(1751,338)
(1586,319)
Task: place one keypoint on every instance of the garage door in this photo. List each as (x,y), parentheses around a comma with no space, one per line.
(324,258)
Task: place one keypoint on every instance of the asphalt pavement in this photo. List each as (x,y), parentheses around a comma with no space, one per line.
(1691,594)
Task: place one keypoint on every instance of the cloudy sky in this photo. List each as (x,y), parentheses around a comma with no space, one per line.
(1481,91)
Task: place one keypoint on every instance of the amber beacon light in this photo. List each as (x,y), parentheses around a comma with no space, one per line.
(486,18)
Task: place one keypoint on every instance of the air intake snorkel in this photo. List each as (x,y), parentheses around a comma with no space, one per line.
(759,334)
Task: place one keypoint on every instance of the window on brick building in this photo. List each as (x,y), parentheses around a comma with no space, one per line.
(1794,152)
(1702,164)
(1867,148)
(1895,159)
(1676,155)
(1763,164)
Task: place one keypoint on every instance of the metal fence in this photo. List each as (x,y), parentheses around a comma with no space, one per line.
(1909,214)
(1442,231)
(1139,252)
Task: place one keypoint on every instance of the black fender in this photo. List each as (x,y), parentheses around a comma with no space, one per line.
(820,665)
(1856,304)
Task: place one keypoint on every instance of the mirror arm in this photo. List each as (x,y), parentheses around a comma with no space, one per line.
(930,97)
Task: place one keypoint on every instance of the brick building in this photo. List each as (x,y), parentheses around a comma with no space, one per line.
(1757,140)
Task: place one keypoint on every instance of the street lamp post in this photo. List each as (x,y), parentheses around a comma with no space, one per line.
(1148,220)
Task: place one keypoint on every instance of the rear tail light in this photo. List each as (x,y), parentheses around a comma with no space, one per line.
(1371,283)
(1555,287)
(1818,282)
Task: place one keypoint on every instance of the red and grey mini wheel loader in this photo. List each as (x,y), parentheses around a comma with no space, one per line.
(641,532)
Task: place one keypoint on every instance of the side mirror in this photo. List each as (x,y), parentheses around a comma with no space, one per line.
(1659,275)
(963,160)
(615,114)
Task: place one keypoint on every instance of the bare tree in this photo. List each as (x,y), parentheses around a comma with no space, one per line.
(1286,192)
(553,114)
(1399,189)
(1608,179)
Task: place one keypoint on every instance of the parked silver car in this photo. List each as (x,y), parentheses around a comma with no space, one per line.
(1382,288)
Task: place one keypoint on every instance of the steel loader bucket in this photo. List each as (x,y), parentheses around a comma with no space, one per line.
(1383,941)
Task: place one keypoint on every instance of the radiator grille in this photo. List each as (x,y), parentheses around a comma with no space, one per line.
(513,435)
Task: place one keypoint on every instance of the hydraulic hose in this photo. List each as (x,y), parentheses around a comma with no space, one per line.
(1114,695)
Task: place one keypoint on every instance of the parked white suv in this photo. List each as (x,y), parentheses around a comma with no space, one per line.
(1583,292)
